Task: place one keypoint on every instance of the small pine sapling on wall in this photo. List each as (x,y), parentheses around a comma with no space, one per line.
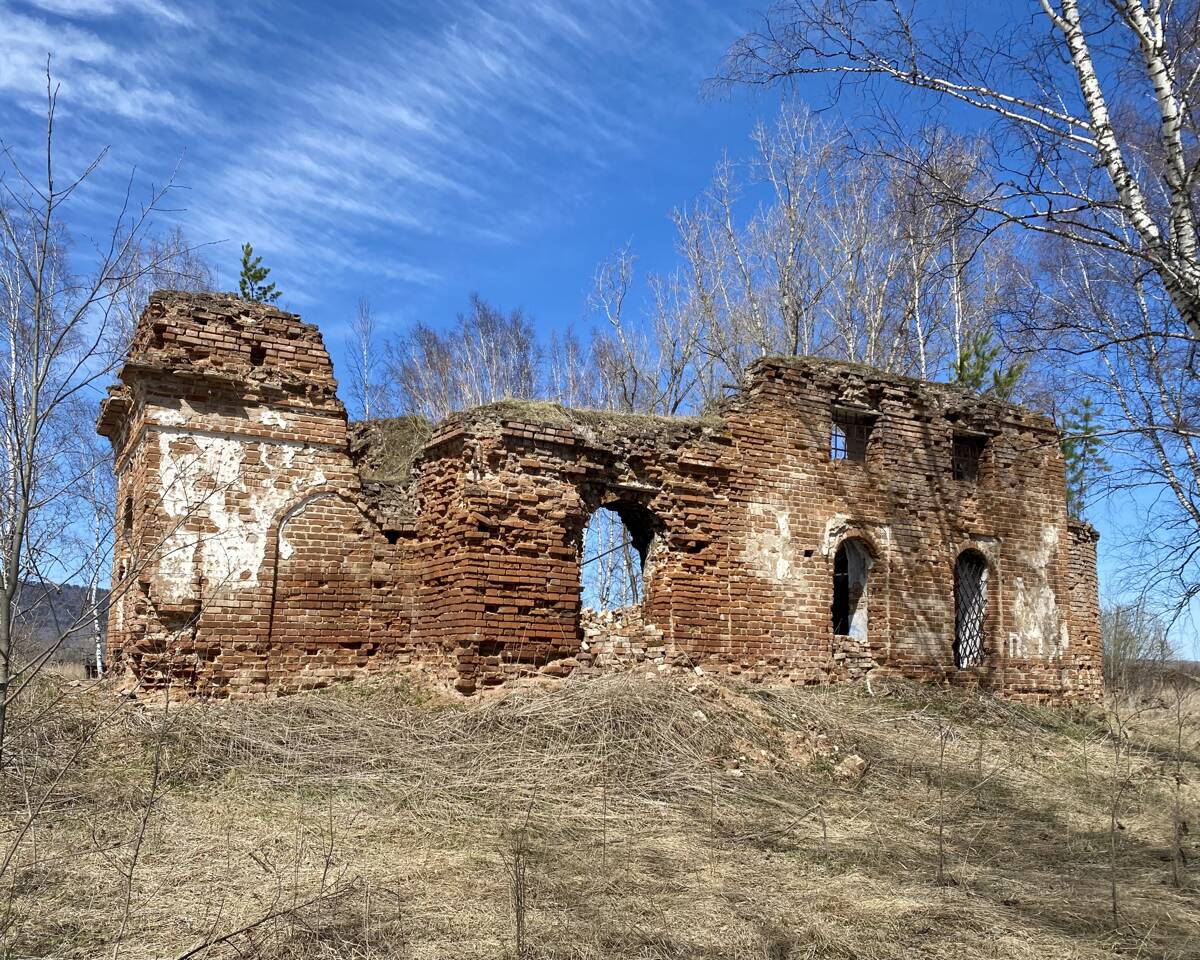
(251,284)
(976,368)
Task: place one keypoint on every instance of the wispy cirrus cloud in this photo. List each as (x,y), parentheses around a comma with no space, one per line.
(108,8)
(364,140)
(96,76)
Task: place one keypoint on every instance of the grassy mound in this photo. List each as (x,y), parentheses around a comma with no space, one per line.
(613,818)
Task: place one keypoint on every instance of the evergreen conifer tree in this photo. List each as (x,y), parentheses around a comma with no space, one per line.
(1081,450)
(251,284)
(976,368)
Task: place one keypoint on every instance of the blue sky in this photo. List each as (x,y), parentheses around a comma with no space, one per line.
(409,152)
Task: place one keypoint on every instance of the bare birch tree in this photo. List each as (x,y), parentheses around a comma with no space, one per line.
(1121,336)
(56,332)
(487,356)
(1089,112)
(1071,93)
(363,348)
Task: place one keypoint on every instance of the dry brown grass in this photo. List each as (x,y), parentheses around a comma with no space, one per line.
(649,819)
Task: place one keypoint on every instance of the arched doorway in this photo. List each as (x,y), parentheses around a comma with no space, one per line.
(851,570)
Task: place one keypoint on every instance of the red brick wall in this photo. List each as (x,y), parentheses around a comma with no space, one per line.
(259,560)
(749,510)
(333,610)
(227,429)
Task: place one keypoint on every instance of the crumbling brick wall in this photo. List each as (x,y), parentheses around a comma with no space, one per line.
(914,515)
(506,492)
(748,510)
(242,533)
(269,549)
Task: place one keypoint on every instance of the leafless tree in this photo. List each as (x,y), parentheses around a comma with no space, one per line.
(643,364)
(571,370)
(363,348)
(1088,113)
(1120,335)
(840,255)
(487,356)
(1135,645)
(1092,104)
(165,262)
(56,331)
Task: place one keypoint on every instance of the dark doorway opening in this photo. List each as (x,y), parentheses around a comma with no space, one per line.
(851,567)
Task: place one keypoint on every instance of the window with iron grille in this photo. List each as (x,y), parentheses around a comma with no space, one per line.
(968,451)
(850,435)
(970,607)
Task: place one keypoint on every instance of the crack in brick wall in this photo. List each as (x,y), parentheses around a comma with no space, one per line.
(265,546)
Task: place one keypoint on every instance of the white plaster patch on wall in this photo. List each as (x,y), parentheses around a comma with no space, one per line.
(269,418)
(770,548)
(989,547)
(1037,626)
(171,416)
(205,489)
(783,561)
(839,525)
(835,529)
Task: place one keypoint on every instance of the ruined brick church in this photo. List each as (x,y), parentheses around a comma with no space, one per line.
(827,522)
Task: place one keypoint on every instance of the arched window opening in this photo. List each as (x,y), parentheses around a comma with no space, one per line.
(851,567)
(970,607)
(614,554)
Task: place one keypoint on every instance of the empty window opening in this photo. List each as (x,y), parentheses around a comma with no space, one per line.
(614,556)
(850,435)
(851,567)
(258,355)
(970,607)
(968,451)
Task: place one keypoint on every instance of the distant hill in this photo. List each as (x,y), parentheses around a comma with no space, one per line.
(47,611)
(1150,675)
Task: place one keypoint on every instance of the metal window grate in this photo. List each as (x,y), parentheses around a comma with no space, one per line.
(967,453)
(850,434)
(970,608)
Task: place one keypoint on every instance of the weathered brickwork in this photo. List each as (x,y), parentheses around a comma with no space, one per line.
(246,558)
(266,547)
